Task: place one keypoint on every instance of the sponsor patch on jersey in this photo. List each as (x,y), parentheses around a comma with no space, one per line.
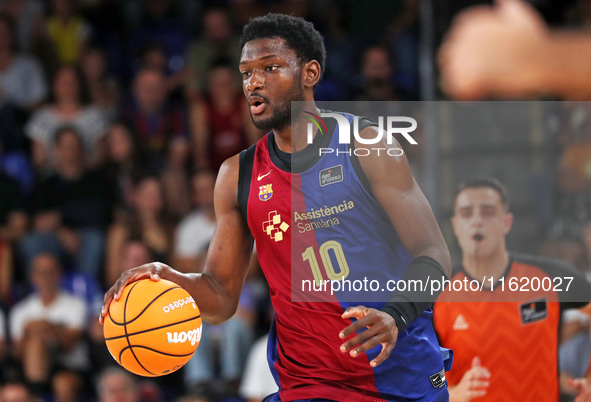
(275,226)
(265,192)
(533,311)
(331,175)
(438,379)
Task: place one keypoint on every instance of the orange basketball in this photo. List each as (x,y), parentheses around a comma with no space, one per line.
(154,328)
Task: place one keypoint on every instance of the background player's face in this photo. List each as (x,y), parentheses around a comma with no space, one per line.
(480,222)
(271,80)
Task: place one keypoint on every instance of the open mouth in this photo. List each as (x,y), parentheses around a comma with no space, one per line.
(257,105)
(478,237)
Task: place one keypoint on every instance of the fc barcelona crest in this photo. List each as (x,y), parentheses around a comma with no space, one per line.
(265,192)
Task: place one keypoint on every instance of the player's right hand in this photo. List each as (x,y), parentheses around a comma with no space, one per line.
(153,270)
(473,383)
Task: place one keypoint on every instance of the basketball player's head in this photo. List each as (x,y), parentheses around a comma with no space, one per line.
(481,218)
(282,60)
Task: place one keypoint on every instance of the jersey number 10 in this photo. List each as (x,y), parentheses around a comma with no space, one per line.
(325,249)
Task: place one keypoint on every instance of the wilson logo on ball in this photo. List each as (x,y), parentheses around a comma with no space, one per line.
(193,336)
(178,304)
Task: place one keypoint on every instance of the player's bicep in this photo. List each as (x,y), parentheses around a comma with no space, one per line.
(394,187)
(231,245)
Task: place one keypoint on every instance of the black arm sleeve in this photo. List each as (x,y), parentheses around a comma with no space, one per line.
(405,306)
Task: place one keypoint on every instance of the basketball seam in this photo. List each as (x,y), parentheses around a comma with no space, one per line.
(156,351)
(126,336)
(151,329)
(141,312)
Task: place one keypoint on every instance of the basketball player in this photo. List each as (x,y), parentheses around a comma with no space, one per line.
(505,341)
(507,50)
(319,350)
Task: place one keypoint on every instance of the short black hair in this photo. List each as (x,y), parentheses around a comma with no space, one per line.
(486,182)
(299,35)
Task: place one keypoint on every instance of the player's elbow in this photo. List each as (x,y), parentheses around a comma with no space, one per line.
(440,253)
(219,318)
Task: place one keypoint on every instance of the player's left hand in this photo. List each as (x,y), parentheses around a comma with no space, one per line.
(583,388)
(381,329)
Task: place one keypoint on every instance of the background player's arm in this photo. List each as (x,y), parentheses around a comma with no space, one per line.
(217,290)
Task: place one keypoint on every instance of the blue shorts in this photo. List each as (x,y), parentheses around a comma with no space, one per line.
(275,398)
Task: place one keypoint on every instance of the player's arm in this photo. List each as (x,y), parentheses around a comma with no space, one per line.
(394,187)
(392,184)
(217,290)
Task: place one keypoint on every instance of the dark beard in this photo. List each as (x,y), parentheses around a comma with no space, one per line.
(281,117)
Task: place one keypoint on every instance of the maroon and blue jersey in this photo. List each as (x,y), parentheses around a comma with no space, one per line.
(314,219)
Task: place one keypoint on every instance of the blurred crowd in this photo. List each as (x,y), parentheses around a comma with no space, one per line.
(115,117)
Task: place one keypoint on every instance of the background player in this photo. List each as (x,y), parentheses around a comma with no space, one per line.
(506,350)
(282,60)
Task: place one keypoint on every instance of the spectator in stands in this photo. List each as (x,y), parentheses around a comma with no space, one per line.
(69,106)
(47,326)
(16,392)
(146,221)
(195,230)
(221,122)
(22,82)
(193,398)
(575,348)
(2,337)
(6,273)
(377,82)
(28,17)
(102,87)
(573,201)
(175,180)
(66,31)
(117,385)
(66,386)
(13,226)
(125,162)
(152,57)
(402,37)
(218,41)
(13,220)
(160,23)
(72,208)
(151,117)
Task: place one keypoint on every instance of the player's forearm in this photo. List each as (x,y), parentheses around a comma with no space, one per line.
(215,303)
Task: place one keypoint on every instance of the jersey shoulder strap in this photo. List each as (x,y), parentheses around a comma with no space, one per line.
(364,122)
(246,163)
